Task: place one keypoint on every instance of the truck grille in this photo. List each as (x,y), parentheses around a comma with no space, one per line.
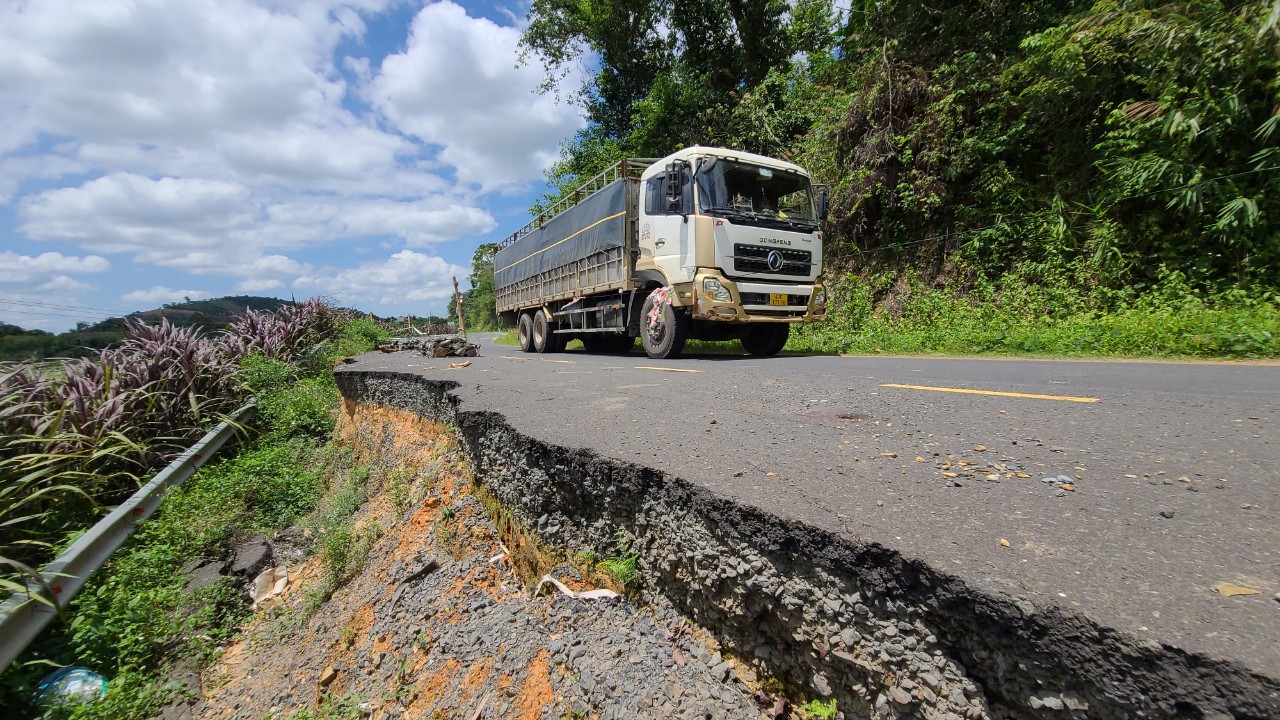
(755,259)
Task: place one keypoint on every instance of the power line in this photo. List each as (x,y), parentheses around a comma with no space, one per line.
(51,313)
(53,306)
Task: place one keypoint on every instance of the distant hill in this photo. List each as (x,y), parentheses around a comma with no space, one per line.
(217,311)
(19,344)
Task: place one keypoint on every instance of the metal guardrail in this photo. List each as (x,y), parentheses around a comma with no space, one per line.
(23,617)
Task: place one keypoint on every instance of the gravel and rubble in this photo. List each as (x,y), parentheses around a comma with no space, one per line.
(434,346)
(440,624)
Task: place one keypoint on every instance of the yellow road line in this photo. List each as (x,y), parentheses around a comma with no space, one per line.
(650,367)
(512,357)
(1065,398)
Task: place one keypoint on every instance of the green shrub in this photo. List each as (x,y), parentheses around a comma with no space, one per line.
(819,710)
(262,374)
(303,409)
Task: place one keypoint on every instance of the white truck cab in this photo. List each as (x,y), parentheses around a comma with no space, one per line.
(741,229)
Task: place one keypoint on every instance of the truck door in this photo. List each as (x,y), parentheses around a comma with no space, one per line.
(665,231)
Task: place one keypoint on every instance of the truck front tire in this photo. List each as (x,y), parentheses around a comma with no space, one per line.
(524,332)
(663,338)
(766,340)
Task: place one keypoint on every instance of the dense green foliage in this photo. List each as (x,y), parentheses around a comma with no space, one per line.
(1050,173)
(479,302)
(138,616)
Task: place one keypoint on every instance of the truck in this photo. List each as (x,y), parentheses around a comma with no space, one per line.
(706,243)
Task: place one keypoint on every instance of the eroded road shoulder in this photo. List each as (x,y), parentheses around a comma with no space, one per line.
(881,631)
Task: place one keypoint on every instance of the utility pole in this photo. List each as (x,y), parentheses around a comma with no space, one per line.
(462,325)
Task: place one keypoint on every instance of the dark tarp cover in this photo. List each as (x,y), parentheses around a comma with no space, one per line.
(595,224)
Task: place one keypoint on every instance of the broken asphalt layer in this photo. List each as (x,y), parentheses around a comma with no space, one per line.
(833,549)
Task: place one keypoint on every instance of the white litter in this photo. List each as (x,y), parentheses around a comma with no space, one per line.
(584,595)
(268,584)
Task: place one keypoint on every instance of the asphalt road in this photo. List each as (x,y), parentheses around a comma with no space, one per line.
(838,442)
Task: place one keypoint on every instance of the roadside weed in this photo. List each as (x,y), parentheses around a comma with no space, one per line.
(819,710)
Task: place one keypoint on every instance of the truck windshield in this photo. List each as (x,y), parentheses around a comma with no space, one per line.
(754,195)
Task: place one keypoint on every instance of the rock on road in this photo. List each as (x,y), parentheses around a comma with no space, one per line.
(1164,476)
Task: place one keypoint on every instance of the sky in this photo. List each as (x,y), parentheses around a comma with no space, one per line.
(153,151)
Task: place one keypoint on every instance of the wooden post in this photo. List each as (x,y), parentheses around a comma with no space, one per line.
(462,324)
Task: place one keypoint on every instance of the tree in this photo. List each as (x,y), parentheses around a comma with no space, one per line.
(671,72)
(480,300)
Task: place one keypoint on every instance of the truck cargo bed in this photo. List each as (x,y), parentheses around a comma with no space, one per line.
(585,245)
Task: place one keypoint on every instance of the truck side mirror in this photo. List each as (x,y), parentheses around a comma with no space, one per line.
(675,187)
(822,205)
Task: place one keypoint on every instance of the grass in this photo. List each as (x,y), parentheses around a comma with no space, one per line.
(137,617)
(1167,322)
(331,708)
(819,710)
(342,547)
(621,567)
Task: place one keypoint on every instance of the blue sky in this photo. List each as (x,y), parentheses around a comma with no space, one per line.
(155,150)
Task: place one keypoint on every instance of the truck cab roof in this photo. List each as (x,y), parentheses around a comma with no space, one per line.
(690,153)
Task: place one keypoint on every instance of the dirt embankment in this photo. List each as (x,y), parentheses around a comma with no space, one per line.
(441,623)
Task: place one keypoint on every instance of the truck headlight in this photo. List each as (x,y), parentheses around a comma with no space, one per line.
(717,291)
(820,296)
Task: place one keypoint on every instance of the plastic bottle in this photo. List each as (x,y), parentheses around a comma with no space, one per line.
(70,685)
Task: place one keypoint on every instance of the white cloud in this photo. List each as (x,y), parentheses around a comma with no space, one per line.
(458,84)
(161,294)
(159,71)
(229,137)
(406,276)
(254,285)
(157,219)
(49,272)
(213,226)
(15,267)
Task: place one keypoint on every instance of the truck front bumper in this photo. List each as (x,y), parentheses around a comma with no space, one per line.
(755,301)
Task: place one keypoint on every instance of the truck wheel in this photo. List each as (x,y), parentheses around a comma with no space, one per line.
(544,338)
(664,337)
(767,339)
(524,332)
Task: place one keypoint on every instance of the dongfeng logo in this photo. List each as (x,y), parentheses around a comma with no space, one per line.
(774,260)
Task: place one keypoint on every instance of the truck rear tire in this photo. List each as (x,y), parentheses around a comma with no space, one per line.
(544,338)
(524,332)
(766,340)
(663,338)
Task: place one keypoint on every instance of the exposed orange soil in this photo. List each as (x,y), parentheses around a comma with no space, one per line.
(277,664)
(535,691)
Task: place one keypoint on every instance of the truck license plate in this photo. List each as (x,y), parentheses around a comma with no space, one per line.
(777,299)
